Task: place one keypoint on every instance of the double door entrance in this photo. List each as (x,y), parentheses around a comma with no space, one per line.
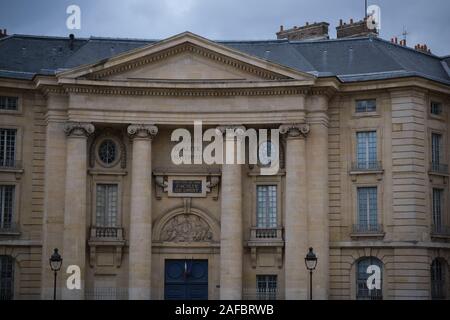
(186,279)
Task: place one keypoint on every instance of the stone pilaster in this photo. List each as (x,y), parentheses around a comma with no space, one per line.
(317,177)
(296,220)
(231,239)
(140,239)
(74,252)
(54,190)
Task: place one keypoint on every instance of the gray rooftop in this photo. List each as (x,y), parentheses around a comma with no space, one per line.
(356,59)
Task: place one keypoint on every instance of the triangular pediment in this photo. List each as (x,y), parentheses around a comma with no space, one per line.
(185,57)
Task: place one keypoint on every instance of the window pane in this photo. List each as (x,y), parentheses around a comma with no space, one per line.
(367,208)
(6,278)
(8,103)
(438,289)
(366,105)
(436,108)
(6,206)
(436,140)
(366,149)
(7,147)
(266,287)
(266,206)
(106,205)
(437,208)
(362,291)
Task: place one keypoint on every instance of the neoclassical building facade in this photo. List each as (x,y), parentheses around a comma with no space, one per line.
(86,167)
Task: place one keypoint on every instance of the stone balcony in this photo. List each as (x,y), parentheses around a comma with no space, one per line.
(106,237)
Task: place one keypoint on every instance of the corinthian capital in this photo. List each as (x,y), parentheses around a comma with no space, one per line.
(142,131)
(294,130)
(78,129)
(231,129)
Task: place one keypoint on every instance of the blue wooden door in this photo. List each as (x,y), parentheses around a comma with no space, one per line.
(186,280)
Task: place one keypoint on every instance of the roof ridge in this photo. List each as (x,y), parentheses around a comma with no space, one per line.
(432,55)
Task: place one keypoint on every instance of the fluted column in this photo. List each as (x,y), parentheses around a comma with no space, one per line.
(140,249)
(317,159)
(74,252)
(231,239)
(296,220)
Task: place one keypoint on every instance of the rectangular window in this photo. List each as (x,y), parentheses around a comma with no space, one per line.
(8,103)
(436,145)
(366,150)
(436,108)
(367,209)
(266,212)
(266,287)
(366,105)
(6,206)
(6,278)
(106,205)
(437,209)
(8,147)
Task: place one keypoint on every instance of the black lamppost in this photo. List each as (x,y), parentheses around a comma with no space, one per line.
(311,263)
(55,265)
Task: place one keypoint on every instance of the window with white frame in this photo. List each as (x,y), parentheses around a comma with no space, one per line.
(8,147)
(106,205)
(6,278)
(367,209)
(362,290)
(266,287)
(366,150)
(266,210)
(6,207)
(437,209)
(8,103)
(369,105)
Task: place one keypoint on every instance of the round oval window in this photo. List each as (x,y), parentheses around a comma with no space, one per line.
(107,152)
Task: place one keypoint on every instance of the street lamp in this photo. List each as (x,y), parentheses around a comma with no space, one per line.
(311,263)
(55,265)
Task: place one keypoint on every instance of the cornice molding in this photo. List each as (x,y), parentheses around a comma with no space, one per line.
(187,47)
(186,92)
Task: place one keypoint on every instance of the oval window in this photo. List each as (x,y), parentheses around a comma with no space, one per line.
(107,152)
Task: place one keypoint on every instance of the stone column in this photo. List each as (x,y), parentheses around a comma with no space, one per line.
(231,239)
(140,248)
(296,218)
(317,176)
(74,252)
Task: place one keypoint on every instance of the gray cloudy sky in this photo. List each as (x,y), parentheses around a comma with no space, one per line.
(427,21)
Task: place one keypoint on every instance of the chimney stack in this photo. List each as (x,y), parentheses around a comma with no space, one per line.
(422,48)
(354,29)
(314,31)
(3,33)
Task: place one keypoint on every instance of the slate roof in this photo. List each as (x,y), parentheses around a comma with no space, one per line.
(353,59)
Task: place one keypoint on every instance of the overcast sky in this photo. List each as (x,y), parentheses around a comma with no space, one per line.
(427,21)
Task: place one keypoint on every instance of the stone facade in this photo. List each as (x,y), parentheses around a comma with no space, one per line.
(62,121)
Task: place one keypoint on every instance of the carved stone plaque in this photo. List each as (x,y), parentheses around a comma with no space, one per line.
(187,186)
(186,228)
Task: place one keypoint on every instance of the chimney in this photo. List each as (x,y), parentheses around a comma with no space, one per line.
(71,40)
(422,48)
(3,33)
(313,31)
(354,29)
